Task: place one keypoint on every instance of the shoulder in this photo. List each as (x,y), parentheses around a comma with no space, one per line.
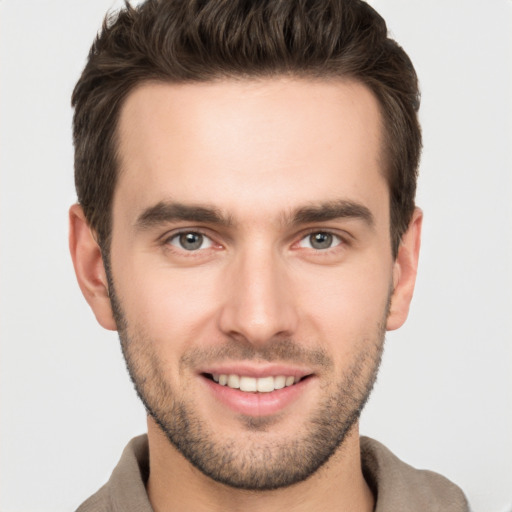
(98,502)
(400,487)
(125,491)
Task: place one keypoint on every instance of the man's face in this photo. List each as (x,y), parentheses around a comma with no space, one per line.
(250,243)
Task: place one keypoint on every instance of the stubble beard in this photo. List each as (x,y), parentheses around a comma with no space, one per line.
(244,462)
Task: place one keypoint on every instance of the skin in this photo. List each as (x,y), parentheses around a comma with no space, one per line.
(257,152)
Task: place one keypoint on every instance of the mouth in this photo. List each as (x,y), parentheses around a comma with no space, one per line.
(249,384)
(259,390)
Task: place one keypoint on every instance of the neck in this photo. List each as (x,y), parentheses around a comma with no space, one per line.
(174,484)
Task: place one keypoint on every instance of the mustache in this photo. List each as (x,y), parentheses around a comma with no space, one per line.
(282,350)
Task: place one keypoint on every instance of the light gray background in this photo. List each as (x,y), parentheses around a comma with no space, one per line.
(444,396)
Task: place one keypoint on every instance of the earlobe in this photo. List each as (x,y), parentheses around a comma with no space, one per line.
(404,272)
(89,268)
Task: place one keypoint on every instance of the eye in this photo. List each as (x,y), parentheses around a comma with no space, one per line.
(320,240)
(190,241)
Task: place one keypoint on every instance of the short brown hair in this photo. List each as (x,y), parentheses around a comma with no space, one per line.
(183,41)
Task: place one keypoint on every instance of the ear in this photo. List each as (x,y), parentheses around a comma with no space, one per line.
(89,269)
(404,272)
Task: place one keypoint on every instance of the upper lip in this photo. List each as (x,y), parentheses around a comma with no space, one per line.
(257,371)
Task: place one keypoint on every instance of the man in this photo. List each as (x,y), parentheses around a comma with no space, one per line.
(246,174)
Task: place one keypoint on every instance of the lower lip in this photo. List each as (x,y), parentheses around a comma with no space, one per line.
(257,404)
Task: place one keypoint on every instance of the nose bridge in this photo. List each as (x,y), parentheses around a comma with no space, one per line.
(258,304)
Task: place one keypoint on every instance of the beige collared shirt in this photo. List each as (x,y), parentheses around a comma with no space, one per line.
(397,487)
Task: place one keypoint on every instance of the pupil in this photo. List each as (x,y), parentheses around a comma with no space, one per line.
(191,241)
(321,240)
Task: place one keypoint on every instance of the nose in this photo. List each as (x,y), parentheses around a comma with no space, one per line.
(258,303)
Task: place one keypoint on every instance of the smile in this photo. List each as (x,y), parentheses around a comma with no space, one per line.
(255,384)
(257,392)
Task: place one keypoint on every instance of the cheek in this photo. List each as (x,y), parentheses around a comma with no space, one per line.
(346,305)
(165,303)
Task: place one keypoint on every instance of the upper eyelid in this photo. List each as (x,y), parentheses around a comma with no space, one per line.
(165,242)
(342,240)
(173,233)
(343,235)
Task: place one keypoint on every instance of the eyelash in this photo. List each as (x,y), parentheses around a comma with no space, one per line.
(166,241)
(342,239)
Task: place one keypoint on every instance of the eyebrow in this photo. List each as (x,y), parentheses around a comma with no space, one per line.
(166,211)
(170,211)
(332,210)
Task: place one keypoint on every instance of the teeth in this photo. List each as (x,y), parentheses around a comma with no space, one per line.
(248,384)
(252,384)
(279,382)
(234,381)
(265,385)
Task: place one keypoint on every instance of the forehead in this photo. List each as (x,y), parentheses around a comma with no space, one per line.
(249,144)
